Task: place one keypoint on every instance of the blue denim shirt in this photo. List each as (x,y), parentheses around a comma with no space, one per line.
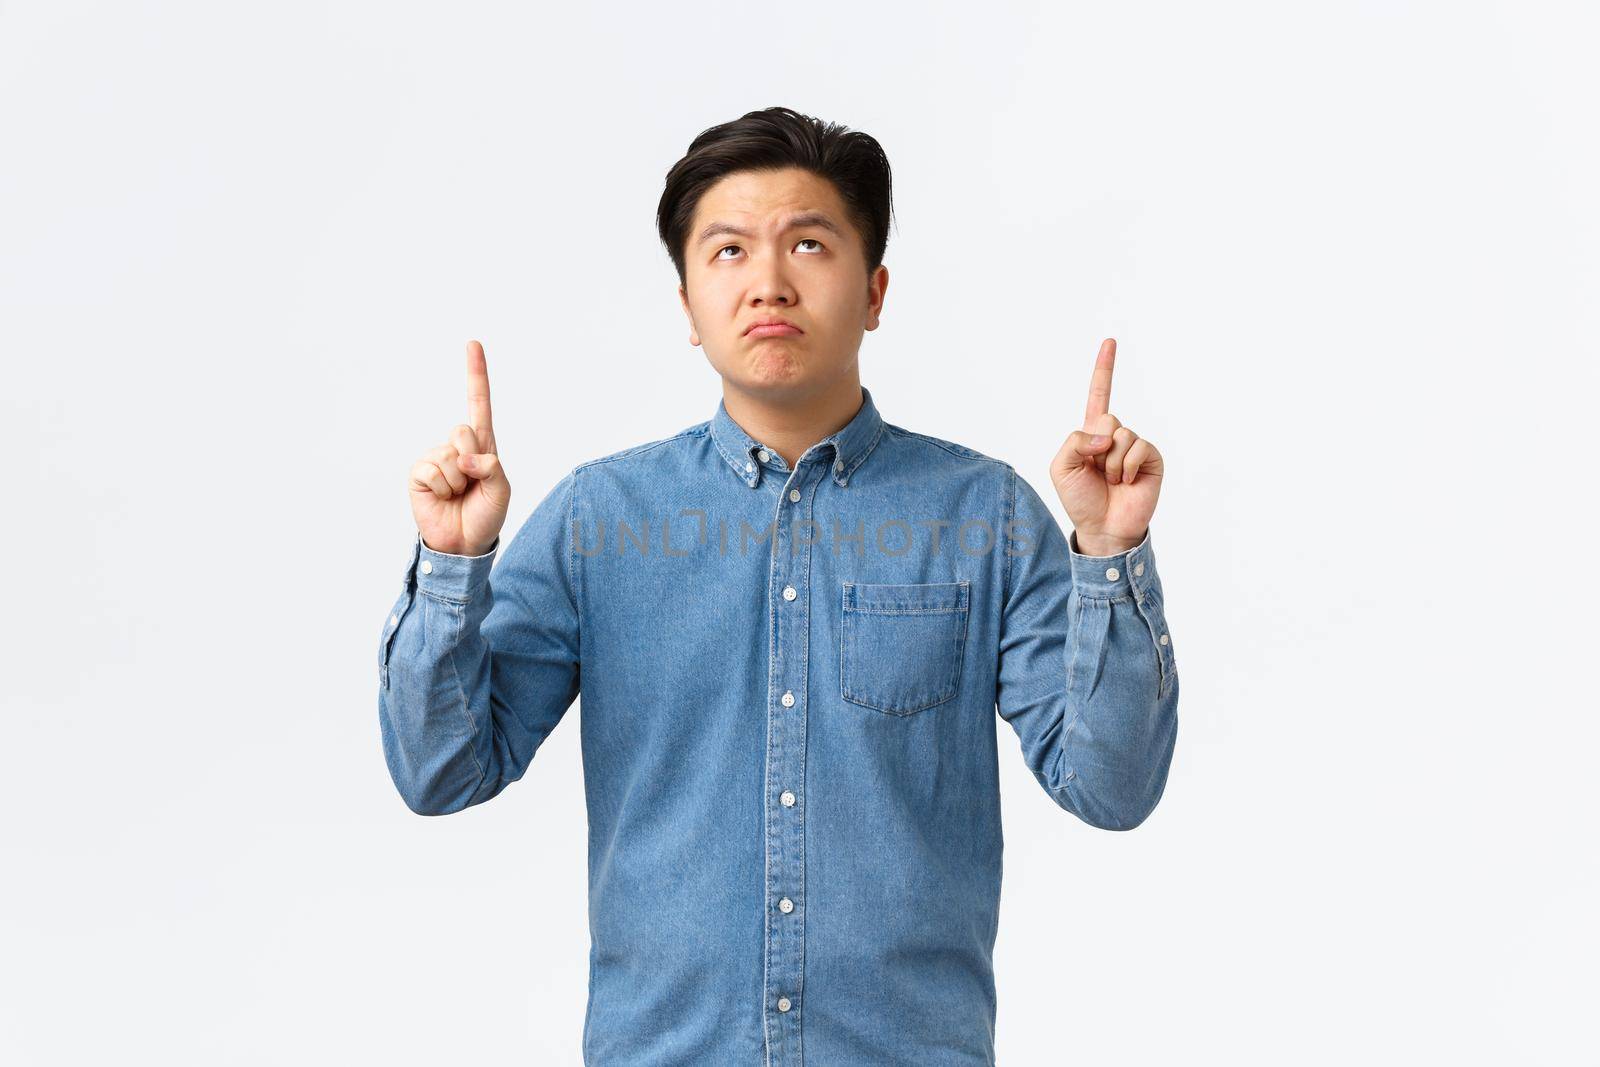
(790,679)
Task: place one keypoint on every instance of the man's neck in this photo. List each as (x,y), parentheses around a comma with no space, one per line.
(790,425)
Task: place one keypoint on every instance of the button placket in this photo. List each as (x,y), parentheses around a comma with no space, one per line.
(786,747)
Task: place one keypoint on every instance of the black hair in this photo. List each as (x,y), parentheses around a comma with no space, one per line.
(771,139)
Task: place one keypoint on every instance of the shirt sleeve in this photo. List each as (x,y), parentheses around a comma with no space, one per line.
(1086,674)
(476,668)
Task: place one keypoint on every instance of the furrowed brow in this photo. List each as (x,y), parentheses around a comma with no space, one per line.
(806,218)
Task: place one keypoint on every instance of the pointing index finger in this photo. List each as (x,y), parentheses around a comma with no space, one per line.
(478,411)
(1100,382)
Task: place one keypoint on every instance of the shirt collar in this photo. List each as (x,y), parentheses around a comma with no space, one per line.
(850,445)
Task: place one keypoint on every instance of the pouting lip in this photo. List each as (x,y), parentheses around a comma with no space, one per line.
(772,322)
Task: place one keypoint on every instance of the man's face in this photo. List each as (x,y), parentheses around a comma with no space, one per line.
(798,258)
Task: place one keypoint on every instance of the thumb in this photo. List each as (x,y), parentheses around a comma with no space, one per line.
(1079,449)
(485,467)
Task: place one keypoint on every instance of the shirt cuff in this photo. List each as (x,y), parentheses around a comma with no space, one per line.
(449,576)
(1127,573)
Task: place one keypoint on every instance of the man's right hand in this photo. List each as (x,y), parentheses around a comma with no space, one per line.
(459,494)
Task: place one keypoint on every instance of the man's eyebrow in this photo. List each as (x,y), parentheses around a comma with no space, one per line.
(805,218)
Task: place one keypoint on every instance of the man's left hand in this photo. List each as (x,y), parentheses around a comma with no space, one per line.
(1108,477)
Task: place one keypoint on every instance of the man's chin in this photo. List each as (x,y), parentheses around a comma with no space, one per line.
(769,370)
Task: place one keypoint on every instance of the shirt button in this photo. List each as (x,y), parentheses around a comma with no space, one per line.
(749,466)
(1112,574)
(1138,569)
(838,464)
(764,455)
(786,905)
(427,566)
(394,620)
(794,494)
(1163,639)
(783,1003)
(787,799)
(788,700)
(788,592)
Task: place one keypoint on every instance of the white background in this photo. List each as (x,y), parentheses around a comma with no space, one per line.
(1349,254)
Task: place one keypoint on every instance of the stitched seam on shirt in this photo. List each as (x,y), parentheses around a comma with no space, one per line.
(738,465)
(399,610)
(805,683)
(865,452)
(1072,668)
(951,610)
(1162,671)
(635,450)
(766,804)
(959,450)
(466,711)
(707,430)
(1074,621)
(456,602)
(1101,650)
(574,579)
(1011,513)
(850,609)
(1077,706)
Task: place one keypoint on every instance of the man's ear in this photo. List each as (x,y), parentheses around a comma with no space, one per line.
(877,286)
(683,298)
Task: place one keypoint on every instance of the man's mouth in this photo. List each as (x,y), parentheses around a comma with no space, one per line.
(781,329)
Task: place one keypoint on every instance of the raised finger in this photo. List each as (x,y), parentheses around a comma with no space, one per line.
(1100,382)
(479,413)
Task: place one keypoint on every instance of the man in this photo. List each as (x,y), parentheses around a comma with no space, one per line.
(792,625)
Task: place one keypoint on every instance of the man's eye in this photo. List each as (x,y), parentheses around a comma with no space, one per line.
(802,241)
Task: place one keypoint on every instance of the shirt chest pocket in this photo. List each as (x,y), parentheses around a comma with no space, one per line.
(901,646)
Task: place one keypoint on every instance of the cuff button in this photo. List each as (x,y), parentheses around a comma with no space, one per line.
(1163,639)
